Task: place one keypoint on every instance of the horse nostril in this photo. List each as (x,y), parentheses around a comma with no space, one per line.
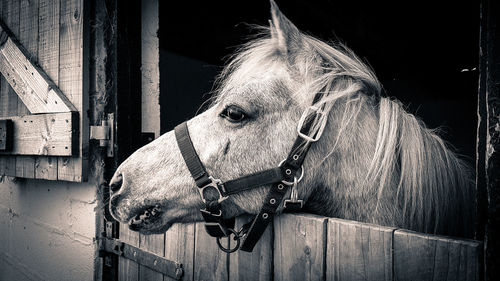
(116,183)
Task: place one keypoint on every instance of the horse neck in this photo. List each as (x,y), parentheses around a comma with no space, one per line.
(379,164)
(340,160)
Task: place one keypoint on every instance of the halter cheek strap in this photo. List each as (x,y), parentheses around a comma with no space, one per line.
(214,191)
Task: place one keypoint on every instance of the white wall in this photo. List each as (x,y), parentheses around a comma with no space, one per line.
(47,230)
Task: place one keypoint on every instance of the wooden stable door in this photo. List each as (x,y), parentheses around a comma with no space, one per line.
(44,89)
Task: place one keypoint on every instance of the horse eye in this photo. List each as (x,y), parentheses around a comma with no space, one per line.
(233,114)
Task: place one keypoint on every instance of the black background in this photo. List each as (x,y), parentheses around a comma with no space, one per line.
(425,53)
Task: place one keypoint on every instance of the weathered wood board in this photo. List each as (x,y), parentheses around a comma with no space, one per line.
(357,251)
(420,256)
(210,263)
(179,246)
(256,265)
(47,49)
(128,270)
(44,134)
(32,85)
(154,244)
(310,247)
(299,247)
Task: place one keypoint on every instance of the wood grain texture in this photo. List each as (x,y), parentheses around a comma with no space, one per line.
(28,37)
(210,263)
(256,265)
(73,80)
(179,246)
(8,98)
(128,270)
(358,251)
(43,134)
(420,256)
(39,29)
(154,244)
(299,243)
(48,58)
(31,83)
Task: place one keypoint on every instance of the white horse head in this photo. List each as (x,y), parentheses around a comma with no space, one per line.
(375,162)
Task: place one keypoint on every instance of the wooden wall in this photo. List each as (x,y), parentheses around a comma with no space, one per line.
(308,247)
(488,139)
(54,34)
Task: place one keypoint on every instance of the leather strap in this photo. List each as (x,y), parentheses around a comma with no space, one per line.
(253,180)
(290,167)
(193,162)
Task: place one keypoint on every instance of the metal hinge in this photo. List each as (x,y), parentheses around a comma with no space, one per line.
(105,133)
(157,263)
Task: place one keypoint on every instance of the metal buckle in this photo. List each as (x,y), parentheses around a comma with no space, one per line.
(217,184)
(215,229)
(322,117)
(294,196)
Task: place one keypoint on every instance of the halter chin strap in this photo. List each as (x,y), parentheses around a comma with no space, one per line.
(214,191)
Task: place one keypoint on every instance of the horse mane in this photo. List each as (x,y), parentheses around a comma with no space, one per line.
(431,186)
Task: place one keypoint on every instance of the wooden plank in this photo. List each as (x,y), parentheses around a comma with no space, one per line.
(73,80)
(179,246)
(299,247)
(358,251)
(31,83)
(154,244)
(150,55)
(48,58)
(8,98)
(488,148)
(28,37)
(420,256)
(7,163)
(128,270)
(44,134)
(210,263)
(256,265)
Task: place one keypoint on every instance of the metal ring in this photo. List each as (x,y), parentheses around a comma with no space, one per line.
(298,180)
(236,238)
(301,173)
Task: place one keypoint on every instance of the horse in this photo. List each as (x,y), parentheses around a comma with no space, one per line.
(374,163)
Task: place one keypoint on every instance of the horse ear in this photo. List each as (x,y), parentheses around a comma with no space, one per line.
(283,31)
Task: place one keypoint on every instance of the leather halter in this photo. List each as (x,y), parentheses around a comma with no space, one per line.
(213,191)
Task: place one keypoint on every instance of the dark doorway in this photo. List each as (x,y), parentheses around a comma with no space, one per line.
(425,53)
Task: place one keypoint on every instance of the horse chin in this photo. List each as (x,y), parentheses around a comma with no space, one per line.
(151,220)
(151,229)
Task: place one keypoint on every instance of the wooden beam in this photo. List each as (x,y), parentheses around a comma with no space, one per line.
(54,134)
(30,82)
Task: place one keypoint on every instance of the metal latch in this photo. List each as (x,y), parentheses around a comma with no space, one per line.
(157,263)
(105,134)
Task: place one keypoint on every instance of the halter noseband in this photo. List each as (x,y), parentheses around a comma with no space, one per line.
(214,191)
